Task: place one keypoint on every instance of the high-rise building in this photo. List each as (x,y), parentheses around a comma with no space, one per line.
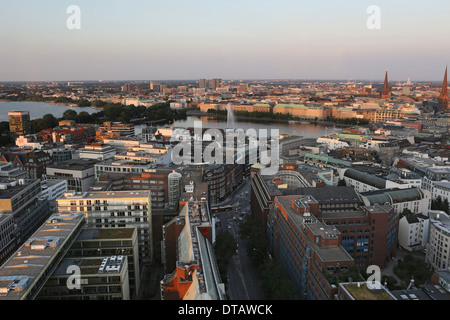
(214,83)
(202,83)
(385,94)
(126,87)
(115,209)
(19,122)
(443,97)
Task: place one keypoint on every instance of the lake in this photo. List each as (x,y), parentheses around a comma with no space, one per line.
(38,109)
(292,129)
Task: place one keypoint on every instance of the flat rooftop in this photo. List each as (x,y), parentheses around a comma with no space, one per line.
(331,253)
(74,164)
(106,234)
(106,195)
(22,270)
(362,292)
(93,266)
(13,190)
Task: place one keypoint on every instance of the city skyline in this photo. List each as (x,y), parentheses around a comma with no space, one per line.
(248,40)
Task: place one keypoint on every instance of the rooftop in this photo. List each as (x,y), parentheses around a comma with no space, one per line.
(327,253)
(74,164)
(106,233)
(106,195)
(360,291)
(23,269)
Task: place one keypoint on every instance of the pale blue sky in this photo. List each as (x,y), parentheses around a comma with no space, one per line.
(229,39)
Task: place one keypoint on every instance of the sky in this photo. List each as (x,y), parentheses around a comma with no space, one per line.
(228,39)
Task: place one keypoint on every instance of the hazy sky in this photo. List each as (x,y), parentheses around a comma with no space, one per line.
(229,39)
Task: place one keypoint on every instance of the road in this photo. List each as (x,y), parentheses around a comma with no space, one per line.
(243,283)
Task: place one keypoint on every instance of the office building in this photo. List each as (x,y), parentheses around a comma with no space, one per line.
(19,122)
(9,237)
(25,273)
(304,246)
(115,209)
(100,279)
(79,173)
(108,242)
(97,151)
(21,199)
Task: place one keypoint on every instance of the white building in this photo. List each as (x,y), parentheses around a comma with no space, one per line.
(97,151)
(332,144)
(413,232)
(363,181)
(52,190)
(441,189)
(115,209)
(435,174)
(437,254)
(415,199)
(28,142)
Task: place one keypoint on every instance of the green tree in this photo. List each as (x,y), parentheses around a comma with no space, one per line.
(84,117)
(50,120)
(83,103)
(70,115)
(224,248)
(405,212)
(38,125)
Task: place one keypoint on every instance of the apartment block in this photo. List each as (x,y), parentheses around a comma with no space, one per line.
(115,209)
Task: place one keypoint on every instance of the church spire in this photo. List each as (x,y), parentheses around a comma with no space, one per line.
(385,94)
(443,97)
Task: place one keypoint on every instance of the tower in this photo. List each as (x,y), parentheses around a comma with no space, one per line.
(385,94)
(443,97)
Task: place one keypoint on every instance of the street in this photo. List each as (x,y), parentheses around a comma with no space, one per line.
(243,283)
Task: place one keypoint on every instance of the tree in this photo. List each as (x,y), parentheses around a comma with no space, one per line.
(84,117)
(224,248)
(405,212)
(70,115)
(83,103)
(50,120)
(439,204)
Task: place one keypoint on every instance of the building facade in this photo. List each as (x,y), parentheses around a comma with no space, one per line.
(115,209)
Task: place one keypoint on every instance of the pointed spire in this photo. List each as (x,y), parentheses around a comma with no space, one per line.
(385,94)
(443,97)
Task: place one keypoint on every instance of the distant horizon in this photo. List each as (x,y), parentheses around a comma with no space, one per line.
(380,81)
(251,40)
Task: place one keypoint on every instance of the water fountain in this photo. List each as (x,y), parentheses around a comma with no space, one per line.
(230,116)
